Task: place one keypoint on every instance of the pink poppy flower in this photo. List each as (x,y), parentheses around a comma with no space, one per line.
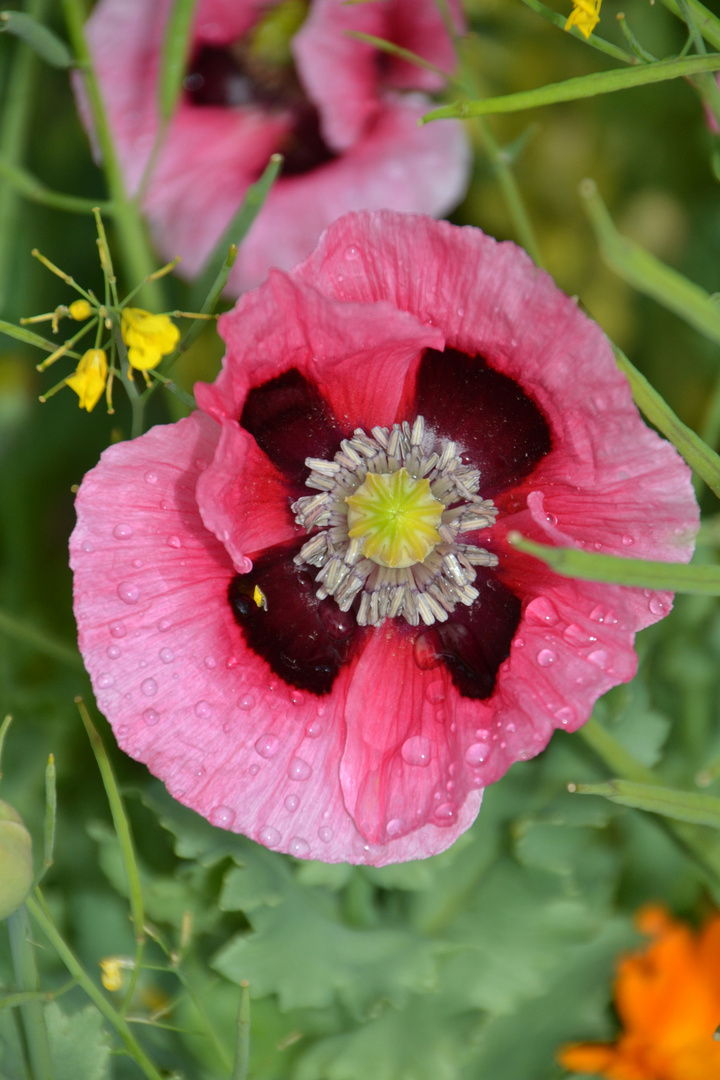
(343,114)
(257,640)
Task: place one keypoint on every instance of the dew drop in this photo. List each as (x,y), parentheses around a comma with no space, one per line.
(291,803)
(628,540)
(299,847)
(445,811)
(656,606)
(477,753)
(546,657)
(122,532)
(167,656)
(254,770)
(425,652)
(575,635)
(246,702)
(325,833)
(511,729)
(151,478)
(351,253)
(164,625)
(395,826)
(151,717)
(296,697)
(210,662)
(200,464)
(173,541)
(149,687)
(118,629)
(267,745)
(314,730)
(137,563)
(113,652)
(128,592)
(222,816)
(566,715)
(482,734)
(416,751)
(599,657)
(551,519)
(87,546)
(203,710)
(541,611)
(106,680)
(518,642)
(122,730)
(598,614)
(269,836)
(435,693)
(299,769)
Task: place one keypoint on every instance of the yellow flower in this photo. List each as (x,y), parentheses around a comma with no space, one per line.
(148,337)
(668,999)
(112,976)
(80,310)
(585,15)
(90,377)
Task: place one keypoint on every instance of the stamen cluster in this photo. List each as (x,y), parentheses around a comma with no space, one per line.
(427,590)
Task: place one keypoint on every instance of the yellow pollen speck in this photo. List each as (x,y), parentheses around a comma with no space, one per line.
(585,15)
(260,598)
(148,337)
(396,517)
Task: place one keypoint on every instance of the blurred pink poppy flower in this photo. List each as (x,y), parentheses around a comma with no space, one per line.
(343,114)
(242,638)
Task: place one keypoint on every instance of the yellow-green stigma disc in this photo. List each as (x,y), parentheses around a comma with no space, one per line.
(396,517)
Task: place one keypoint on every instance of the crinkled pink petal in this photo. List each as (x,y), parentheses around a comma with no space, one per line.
(359,357)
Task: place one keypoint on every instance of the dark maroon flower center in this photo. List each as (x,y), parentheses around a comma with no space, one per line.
(231,77)
(305,638)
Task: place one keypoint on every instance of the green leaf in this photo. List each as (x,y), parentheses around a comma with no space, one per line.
(174,55)
(300,951)
(679,805)
(585,86)
(647,274)
(29,338)
(79,1045)
(701,458)
(640,573)
(44,42)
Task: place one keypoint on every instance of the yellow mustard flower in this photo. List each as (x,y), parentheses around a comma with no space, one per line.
(90,377)
(112,975)
(667,997)
(80,310)
(585,15)
(148,337)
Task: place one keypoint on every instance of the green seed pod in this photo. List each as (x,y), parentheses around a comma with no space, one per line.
(16,868)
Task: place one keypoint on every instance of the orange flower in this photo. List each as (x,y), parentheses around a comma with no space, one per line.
(668,999)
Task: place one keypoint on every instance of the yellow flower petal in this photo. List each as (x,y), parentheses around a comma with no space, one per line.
(148,337)
(585,15)
(80,310)
(90,377)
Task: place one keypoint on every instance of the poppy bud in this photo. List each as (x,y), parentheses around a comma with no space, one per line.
(16,869)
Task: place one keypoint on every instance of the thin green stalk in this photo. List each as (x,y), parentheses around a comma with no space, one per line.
(38,909)
(4,728)
(50,813)
(138,259)
(593,41)
(14,130)
(26,979)
(39,640)
(511,191)
(242,1052)
(125,840)
(30,187)
(707,23)
(707,85)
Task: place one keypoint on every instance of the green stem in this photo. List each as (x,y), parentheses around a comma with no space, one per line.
(242,1053)
(136,254)
(707,23)
(37,908)
(511,192)
(22,631)
(26,979)
(30,187)
(594,41)
(14,129)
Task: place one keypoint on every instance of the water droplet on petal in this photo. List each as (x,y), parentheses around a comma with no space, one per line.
(599,657)
(122,532)
(296,697)
(477,753)
(446,811)
(566,715)
(210,662)
(395,826)
(314,730)
(299,769)
(351,253)
(575,635)
(656,606)
(435,693)
(291,803)
(541,611)
(269,836)
(325,833)
(416,751)
(105,681)
(267,745)
(173,541)
(151,717)
(167,656)
(151,478)
(299,847)
(597,614)
(425,652)
(164,625)
(149,687)
(546,657)
(200,464)
(222,816)
(628,540)
(87,546)
(203,709)
(246,702)
(118,629)
(113,651)
(254,770)
(128,592)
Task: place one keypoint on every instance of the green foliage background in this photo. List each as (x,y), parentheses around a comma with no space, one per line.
(480,962)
